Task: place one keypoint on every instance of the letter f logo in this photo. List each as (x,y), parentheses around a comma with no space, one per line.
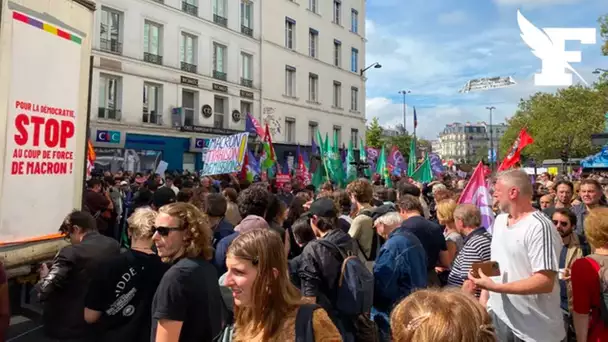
(549,45)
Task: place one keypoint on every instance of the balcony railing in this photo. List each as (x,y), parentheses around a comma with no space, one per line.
(151,58)
(189,8)
(152,118)
(218,19)
(187,67)
(219,75)
(109,114)
(111,45)
(246,82)
(247,30)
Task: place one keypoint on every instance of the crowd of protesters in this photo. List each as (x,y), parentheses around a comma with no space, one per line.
(178,257)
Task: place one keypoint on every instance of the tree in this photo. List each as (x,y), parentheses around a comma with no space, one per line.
(603,20)
(401,141)
(480,155)
(423,144)
(565,118)
(373,135)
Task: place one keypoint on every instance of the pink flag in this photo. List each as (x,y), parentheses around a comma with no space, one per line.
(476,192)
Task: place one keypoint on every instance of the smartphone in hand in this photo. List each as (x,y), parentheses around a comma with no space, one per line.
(489,268)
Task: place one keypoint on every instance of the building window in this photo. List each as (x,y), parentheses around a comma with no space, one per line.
(313,87)
(312,5)
(245,108)
(354,60)
(337,94)
(354,137)
(219,61)
(219,12)
(153,43)
(290,33)
(246,17)
(354,21)
(354,99)
(290,130)
(188,107)
(246,72)
(338,134)
(219,111)
(313,42)
(290,81)
(188,53)
(151,105)
(337,12)
(108,97)
(313,127)
(190,7)
(337,53)
(110,31)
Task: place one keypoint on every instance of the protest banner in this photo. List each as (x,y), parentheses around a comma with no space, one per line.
(224,154)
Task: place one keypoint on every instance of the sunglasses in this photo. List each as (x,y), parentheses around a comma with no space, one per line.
(164,231)
(561,223)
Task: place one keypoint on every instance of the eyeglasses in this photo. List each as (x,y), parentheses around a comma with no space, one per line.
(164,231)
(561,223)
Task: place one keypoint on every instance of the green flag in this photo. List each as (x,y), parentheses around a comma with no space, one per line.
(411,164)
(336,171)
(320,175)
(351,169)
(424,173)
(382,169)
(363,158)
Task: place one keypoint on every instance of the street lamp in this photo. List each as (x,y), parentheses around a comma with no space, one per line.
(598,71)
(404,92)
(492,154)
(374,65)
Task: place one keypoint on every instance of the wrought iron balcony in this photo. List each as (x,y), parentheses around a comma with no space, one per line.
(246,82)
(189,67)
(110,45)
(247,30)
(189,8)
(218,19)
(152,118)
(219,75)
(109,114)
(151,58)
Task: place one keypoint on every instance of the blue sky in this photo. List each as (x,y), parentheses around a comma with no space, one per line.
(432,47)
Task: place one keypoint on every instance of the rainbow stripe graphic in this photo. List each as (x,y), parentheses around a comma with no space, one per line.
(54,30)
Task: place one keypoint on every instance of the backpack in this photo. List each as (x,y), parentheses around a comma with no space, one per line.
(602,260)
(374,250)
(355,284)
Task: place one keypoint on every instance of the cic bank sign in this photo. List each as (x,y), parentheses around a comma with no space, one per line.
(112,137)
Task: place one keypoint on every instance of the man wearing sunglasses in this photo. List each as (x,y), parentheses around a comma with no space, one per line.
(565,222)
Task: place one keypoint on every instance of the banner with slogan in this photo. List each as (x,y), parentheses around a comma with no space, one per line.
(225,154)
(42,116)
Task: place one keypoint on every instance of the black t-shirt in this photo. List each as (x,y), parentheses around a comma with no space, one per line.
(122,289)
(430,235)
(189,292)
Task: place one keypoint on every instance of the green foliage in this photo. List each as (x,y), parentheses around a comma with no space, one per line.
(568,117)
(373,135)
(402,142)
(480,155)
(603,20)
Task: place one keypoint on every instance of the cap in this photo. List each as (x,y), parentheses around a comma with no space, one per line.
(163,196)
(323,207)
(124,183)
(383,209)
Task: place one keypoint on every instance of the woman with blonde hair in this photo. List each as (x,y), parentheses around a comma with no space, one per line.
(266,303)
(453,239)
(434,315)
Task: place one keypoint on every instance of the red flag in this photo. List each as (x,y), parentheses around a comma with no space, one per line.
(302,171)
(268,139)
(523,140)
(243,172)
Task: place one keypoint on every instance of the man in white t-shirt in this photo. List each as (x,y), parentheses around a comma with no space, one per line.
(524,301)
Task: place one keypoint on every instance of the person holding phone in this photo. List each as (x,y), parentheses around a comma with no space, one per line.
(524,300)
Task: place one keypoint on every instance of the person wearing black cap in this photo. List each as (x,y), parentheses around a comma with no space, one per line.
(320,266)
(163,196)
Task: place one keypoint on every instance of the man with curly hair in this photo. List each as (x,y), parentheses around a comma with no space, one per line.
(185,305)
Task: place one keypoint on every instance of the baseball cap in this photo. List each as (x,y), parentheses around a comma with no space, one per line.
(323,207)
(163,196)
(124,183)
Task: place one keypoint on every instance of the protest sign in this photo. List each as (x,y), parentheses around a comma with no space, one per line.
(224,154)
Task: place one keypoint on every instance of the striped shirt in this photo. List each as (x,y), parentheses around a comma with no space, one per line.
(530,245)
(477,248)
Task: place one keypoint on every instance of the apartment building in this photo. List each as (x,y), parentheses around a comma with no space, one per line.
(170,74)
(461,142)
(312,57)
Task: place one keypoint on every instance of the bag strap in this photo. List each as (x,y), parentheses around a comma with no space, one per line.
(304,325)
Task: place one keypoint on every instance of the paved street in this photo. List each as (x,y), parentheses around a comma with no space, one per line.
(24,329)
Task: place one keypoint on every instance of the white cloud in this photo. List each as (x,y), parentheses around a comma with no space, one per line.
(452,18)
(534,3)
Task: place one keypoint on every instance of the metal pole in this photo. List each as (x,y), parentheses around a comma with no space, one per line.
(492,154)
(404,121)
